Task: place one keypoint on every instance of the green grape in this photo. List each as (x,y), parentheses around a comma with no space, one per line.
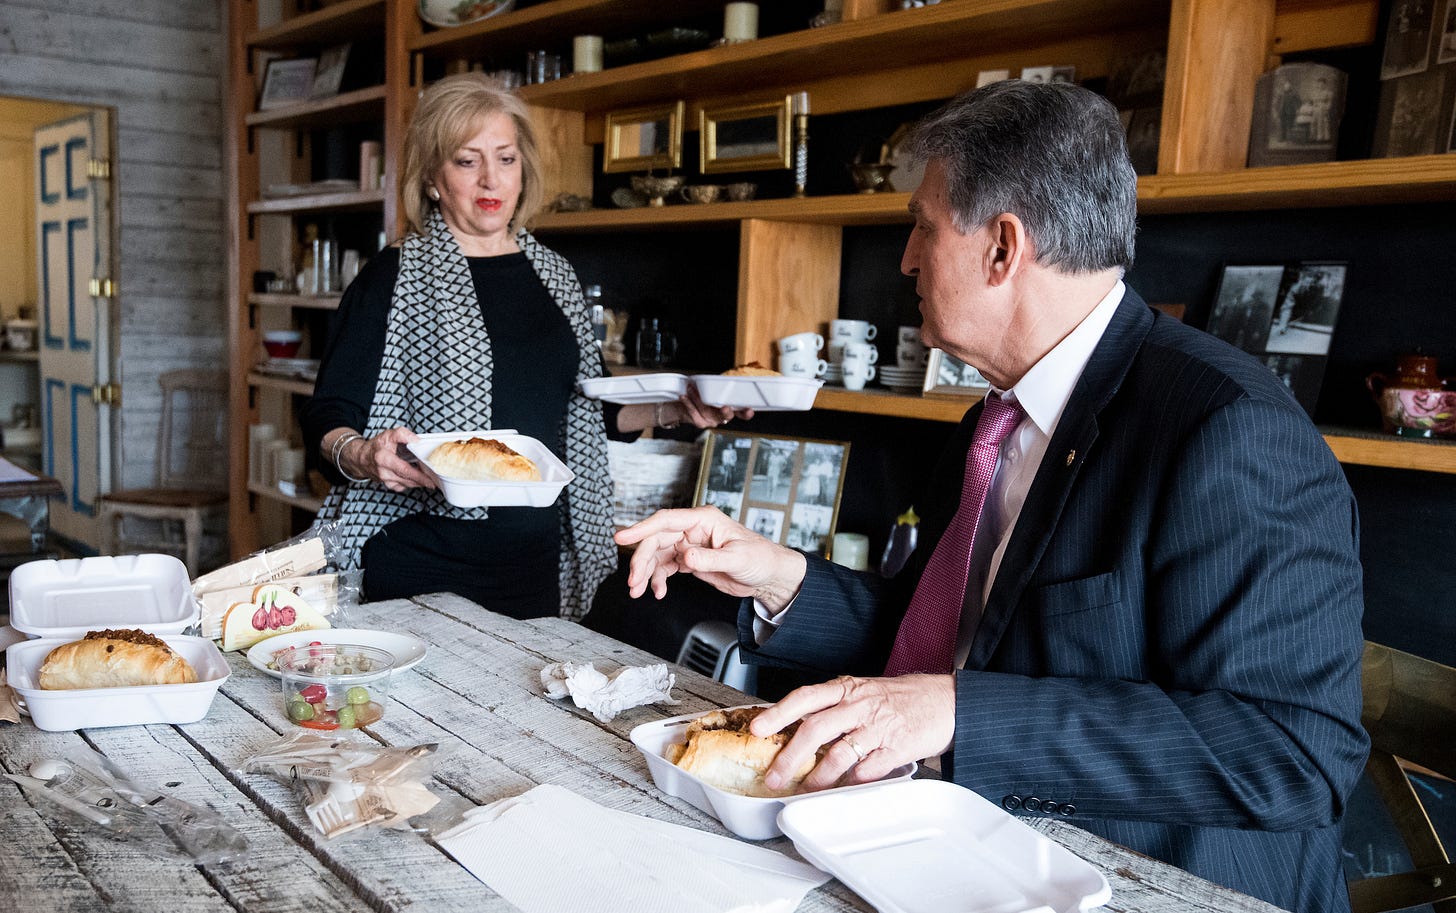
(358,695)
(345,716)
(300,710)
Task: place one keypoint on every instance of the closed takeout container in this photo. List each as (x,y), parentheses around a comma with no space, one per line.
(749,817)
(636,388)
(470,493)
(67,598)
(930,845)
(765,393)
(89,708)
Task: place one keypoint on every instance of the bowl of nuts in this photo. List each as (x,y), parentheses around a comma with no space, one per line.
(335,686)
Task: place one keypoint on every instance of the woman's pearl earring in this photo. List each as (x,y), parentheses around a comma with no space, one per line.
(433,194)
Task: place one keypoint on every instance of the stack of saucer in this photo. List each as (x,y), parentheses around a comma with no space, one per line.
(902,380)
(834,374)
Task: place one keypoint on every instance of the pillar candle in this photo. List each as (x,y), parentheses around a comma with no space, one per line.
(740,22)
(586,54)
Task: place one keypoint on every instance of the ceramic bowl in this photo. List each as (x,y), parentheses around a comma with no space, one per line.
(741,192)
(1418,412)
(447,13)
(655,187)
(282,343)
(871,178)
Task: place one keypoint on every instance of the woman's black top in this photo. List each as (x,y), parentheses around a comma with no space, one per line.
(508,562)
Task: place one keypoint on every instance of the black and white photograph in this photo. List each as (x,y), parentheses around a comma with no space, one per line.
(1244,308)
(1304,319)
(329,76)
(786,489)
(1039,75)
(1137,81)
(944,373)
(1410,120)
(1143,134)
(1302,374)
(1407,38)
(287,82)
(1064,74)
(1297,112)
(1446,46)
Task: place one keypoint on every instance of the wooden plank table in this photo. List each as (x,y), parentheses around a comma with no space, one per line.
(477,694)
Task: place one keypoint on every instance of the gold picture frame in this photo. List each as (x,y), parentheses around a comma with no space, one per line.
(746,137)
(641,139)
(783,488)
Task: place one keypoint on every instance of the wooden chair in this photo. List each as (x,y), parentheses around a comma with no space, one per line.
(1410,713)
(191,472)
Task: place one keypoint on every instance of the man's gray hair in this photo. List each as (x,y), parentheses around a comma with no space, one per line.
(1054,155)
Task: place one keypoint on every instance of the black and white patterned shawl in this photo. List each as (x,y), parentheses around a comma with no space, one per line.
(435,376)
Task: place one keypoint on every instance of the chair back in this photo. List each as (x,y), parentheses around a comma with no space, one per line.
(192,433)
(711,647)
(1410,713)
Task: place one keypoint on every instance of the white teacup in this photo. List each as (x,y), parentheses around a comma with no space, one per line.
(910,352)
(852,330)
(857,374)
(810,343)
(855,352)
(802,364)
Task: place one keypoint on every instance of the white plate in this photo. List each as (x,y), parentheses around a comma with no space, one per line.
(406,649)
(468,493)
(931,845)
(445,13)
(636,388)
(763,393)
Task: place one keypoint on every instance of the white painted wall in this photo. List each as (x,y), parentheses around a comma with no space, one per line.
(160,65)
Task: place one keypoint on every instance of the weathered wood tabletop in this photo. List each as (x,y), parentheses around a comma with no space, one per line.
(477,694)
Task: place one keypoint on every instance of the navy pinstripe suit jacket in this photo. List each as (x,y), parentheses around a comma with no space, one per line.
(1172,644)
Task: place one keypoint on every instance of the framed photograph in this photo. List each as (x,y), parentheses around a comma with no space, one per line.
(1244,308)
(1446,46)
(1410,119)
(287,82)
(986,77)
(785,489)
(944,373)
(1304,320)
(1136,81)
(329,77)
(1039,75)
(1144,131)
(642,139)
(1297,111)
(1064,74)
(1407,38)
(746,137)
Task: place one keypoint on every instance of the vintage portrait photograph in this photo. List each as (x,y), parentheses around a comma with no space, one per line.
(944,373)
(1297,111)
(1302,374)
(786,489)
(1244,308)
(1410,116)
(1304,319)
(1407,38)
(1446,45)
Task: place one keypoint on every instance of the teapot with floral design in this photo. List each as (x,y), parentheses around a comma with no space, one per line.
(1416,401)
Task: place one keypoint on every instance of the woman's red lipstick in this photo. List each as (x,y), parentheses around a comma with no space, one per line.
(487,204)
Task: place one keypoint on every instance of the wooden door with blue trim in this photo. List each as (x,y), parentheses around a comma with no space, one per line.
(76,282)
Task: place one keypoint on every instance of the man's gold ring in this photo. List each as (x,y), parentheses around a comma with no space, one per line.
(859,752)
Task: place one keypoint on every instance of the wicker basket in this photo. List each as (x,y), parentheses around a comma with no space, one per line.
(649,475)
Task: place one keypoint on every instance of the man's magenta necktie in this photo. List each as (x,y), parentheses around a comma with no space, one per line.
(927,638)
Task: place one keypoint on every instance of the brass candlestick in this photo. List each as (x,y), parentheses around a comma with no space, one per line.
(801,143)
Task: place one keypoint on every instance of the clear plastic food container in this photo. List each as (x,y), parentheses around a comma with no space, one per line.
(67,598)
(89,708)
(746,816)
(469,493)
(335,686)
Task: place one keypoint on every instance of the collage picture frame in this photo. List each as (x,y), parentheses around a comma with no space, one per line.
(783,488)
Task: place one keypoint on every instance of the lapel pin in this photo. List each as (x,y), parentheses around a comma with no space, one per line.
(1071,457)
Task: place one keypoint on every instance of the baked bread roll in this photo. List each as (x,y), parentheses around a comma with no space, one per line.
(480,459)
(721,752)
(752,369)
(114,659)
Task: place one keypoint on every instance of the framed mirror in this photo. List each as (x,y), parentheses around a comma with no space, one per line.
(642,139)
(746,137)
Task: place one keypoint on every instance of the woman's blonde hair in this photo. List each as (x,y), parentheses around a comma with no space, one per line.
(449,113)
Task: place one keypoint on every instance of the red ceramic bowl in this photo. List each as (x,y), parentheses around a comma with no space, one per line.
(282,343)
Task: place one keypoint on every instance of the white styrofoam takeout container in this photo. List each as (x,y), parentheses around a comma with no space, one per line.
(749,817)
(469,493)
(927,845)
(67,598)
(636,388)
(90,708)
(764,393)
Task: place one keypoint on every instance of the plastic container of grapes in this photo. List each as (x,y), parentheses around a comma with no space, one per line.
(335,686)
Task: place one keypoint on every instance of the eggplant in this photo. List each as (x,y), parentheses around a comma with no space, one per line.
(901,543)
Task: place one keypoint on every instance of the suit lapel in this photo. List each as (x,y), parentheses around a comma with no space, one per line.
(1073,439)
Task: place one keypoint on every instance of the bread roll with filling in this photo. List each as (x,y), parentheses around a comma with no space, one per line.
(481,459)
(721,752)
(752,369)
(114,659)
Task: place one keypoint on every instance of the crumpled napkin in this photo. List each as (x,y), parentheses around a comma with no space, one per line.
(549,850)
(9,711)
(605,697)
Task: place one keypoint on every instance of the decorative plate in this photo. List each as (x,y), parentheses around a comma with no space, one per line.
(448,13)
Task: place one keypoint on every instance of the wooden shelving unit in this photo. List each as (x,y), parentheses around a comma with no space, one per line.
(789,251)
(310,302)
(311,505)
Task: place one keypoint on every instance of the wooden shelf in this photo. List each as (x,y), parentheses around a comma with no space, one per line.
(286,384)
(545,24)
(347,108)
(334,24)
(1370,448)
(884,402)
(359,200)
(1420,178)
(29,356)
(263,491)
(313,302)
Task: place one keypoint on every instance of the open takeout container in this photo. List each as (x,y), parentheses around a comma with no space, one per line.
(749,817)
(90,708)
(764,393)
(922,845)
(636,388)
(67,598)
(495,493)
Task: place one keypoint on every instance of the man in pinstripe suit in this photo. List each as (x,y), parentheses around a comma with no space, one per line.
(1160,632)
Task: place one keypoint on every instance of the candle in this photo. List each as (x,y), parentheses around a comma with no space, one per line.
(851,550)
(800,104)
(740,22)
(586,54)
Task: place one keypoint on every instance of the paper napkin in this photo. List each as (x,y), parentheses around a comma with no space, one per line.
(549,850)
(605,697)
